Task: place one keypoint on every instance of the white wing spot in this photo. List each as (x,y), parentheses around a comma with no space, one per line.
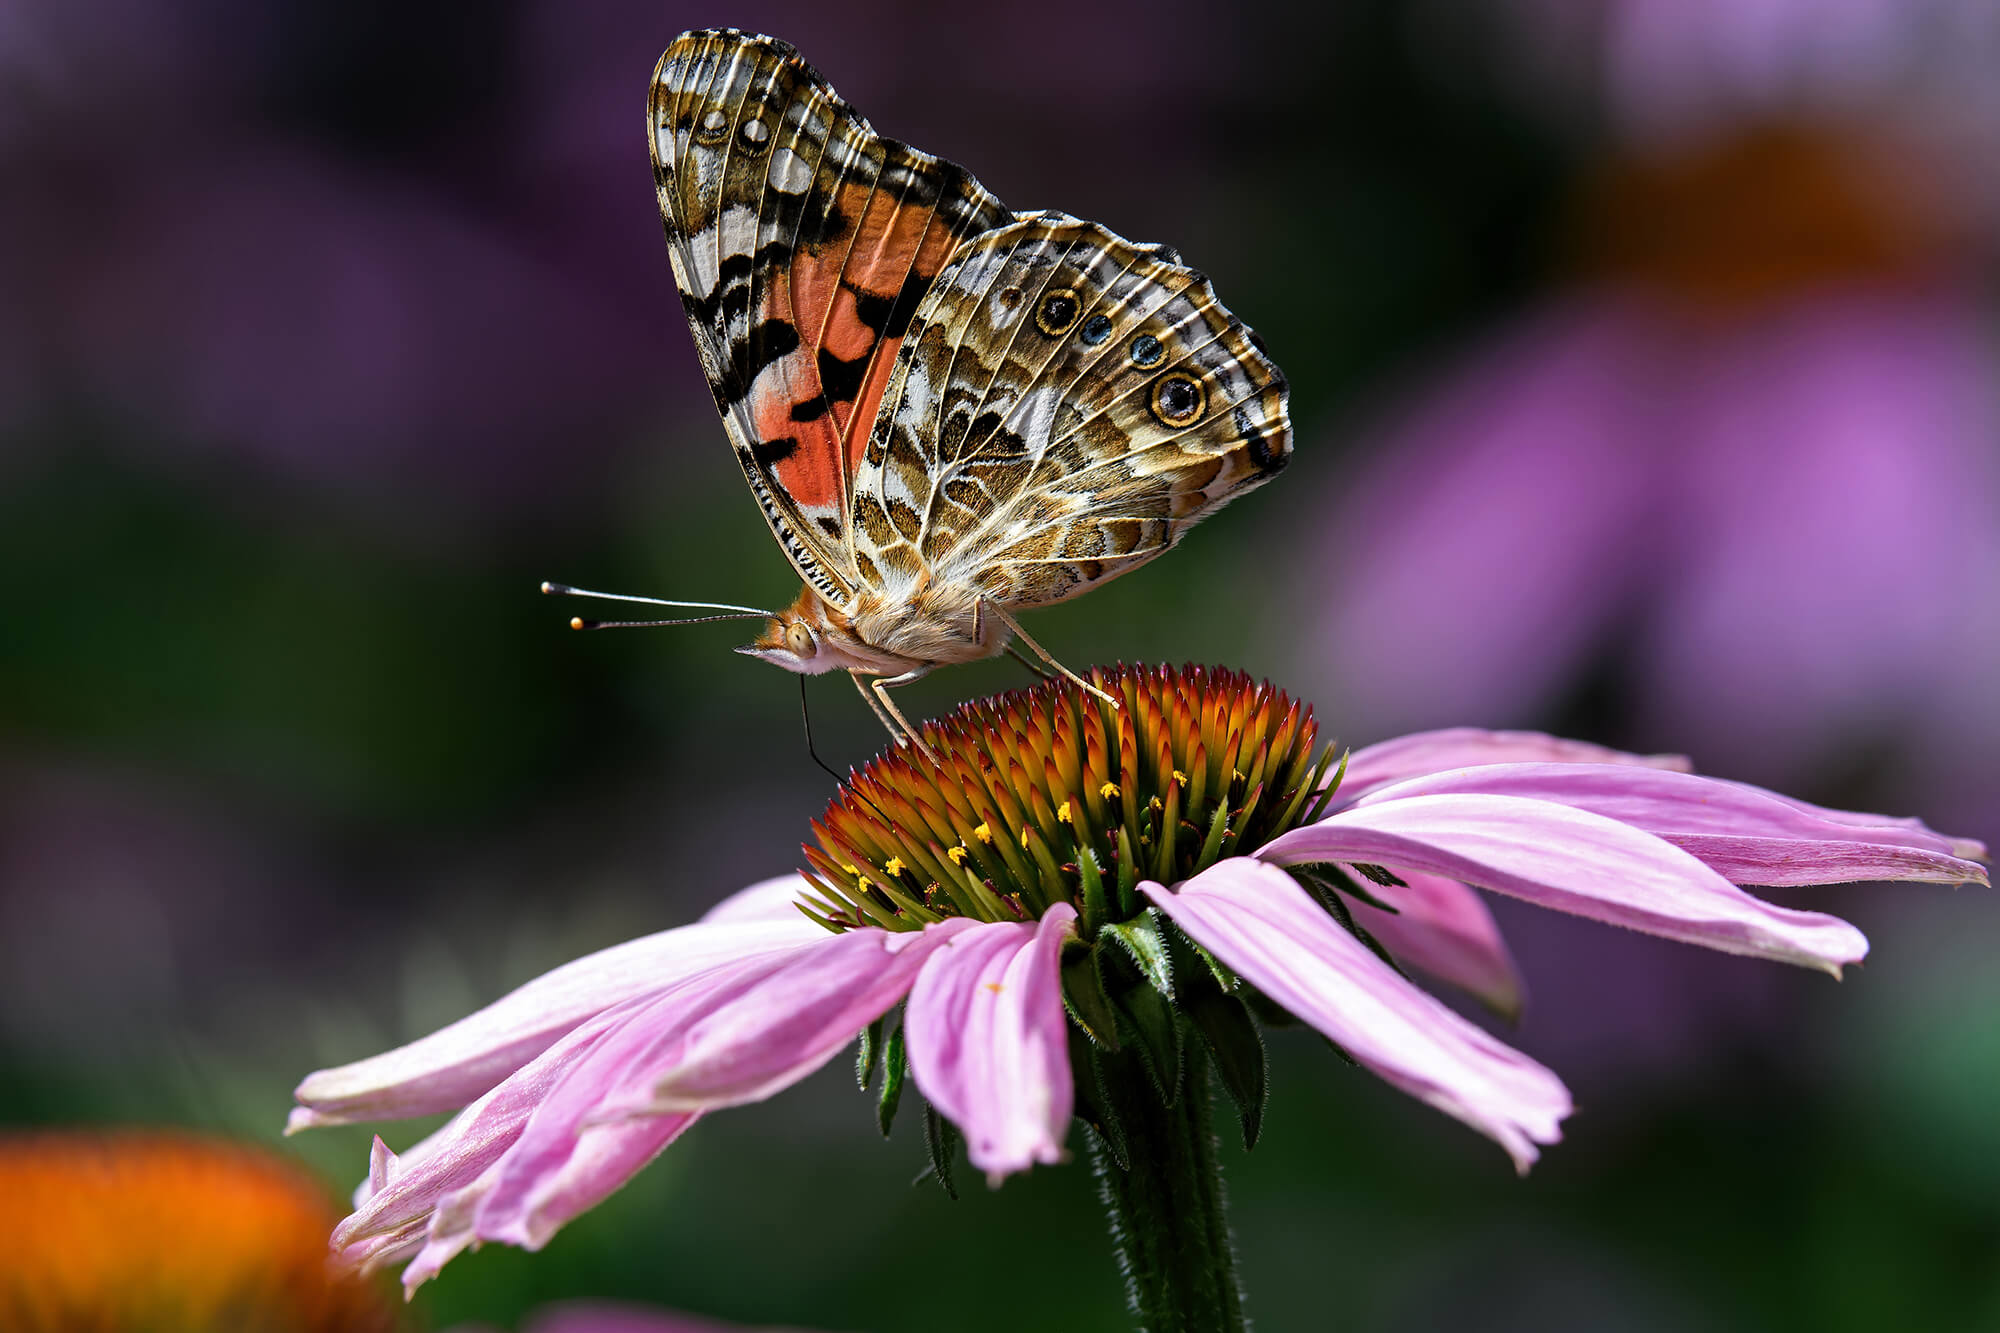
(789,172)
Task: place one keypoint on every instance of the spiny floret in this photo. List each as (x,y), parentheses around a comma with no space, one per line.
(1047,794)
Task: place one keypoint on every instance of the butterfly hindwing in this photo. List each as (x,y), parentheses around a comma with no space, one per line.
(803,243)
(1064,406)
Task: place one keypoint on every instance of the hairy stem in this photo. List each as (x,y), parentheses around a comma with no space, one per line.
(1167,1209)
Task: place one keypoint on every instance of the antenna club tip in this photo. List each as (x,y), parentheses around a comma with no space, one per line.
(576,622)
(553,588)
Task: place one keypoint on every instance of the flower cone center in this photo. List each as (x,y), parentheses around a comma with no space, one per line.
(1049,794)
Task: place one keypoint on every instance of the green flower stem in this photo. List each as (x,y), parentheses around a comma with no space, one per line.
(1167,1210)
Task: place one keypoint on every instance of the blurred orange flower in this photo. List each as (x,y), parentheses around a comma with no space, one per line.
(167,1232)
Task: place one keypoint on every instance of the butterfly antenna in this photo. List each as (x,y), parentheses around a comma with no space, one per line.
(728,610)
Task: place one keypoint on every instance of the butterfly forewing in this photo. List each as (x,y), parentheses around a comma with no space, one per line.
(802,242)
(1065,405)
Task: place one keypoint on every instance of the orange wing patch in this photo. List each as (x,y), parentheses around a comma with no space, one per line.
(802,242)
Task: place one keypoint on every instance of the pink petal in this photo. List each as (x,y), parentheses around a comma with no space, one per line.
(1425,752)
(747,1033)
(538,1170)
(1257,920)
(604,1317)
(1574,861)
(403,1192)
(600,1161)
(455,1064)
(1445,929)
(766,900)
(989,1041)
(603,1160)
(1744,833)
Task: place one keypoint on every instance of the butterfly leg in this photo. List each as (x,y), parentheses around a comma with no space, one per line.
(1000,614)
(1028,662)
(881,689)
(875,707)
(876,693)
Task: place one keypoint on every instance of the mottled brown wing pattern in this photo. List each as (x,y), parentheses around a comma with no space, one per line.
(802,242)
(1065,405)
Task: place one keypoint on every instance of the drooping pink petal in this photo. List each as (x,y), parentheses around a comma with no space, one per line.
(576,1122)
(521,1166)
(1575,861)
(1746,834)
(455,1064)
(767,900)
(540,1168)
(1444,928)
(1908,830)
(402,1193)
(989,1042)
(1256,919)
(1424,752)
(758,1030)
(604,1159)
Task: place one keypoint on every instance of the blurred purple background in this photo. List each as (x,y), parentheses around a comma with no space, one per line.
(1644,365)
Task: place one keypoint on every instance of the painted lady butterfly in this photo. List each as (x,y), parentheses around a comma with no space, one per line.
(947,410)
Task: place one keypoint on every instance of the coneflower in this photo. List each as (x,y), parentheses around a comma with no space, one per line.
(1088,911)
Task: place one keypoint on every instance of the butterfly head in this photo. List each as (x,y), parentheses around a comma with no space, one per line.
(810,637)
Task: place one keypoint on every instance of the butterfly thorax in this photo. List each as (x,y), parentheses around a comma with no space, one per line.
(883,635)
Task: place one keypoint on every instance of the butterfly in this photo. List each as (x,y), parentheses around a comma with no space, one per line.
(948,411)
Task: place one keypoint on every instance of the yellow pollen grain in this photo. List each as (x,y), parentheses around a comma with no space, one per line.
(957,854)
(984,833)
(1153,804)
(1236,775)
(1108,791)
(1063,815)
(1180,777)
(995,986)
(894,868)
(863,884)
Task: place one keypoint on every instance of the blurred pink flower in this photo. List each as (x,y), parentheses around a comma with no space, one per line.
(1677,67)
(1787,522)
(1741,466)
(573,1082)
(606,1317)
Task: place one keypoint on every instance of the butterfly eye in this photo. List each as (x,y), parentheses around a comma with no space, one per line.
(799,639)
(1095,330)
(714,128)
(1057,312)
(1178,400)
(754,135)
(1146,350)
